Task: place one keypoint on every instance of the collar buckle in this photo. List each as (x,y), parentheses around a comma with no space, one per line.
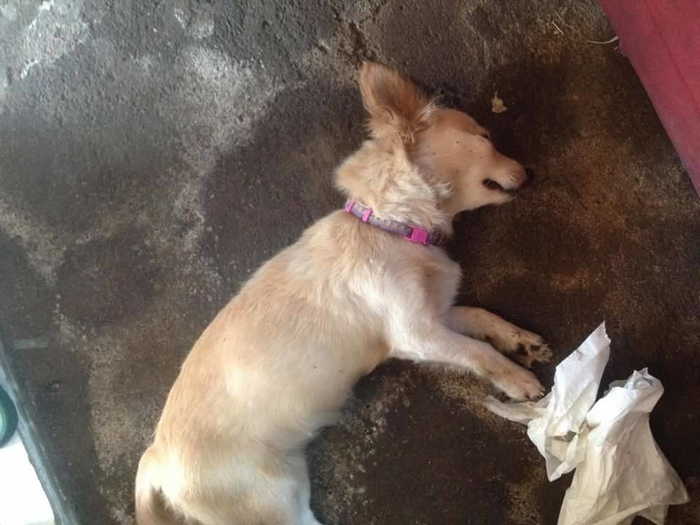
(418,235)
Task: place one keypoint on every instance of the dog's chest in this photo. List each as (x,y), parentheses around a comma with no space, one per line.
(441,278)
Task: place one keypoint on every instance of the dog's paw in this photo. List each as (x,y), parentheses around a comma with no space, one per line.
(519,384)
(526,354)
(524,347)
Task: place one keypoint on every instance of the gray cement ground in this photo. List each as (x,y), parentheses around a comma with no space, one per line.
(153,154)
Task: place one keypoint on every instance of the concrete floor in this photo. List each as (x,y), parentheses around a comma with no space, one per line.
(153,154)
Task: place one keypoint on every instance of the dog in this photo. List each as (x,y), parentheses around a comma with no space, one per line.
(364,284)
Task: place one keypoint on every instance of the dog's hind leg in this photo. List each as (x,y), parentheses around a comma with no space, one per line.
(523,346)
(281,497)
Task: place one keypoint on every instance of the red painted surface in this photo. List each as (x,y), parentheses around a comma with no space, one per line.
(661,38)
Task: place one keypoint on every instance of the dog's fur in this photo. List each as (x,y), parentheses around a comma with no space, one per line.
(279,360)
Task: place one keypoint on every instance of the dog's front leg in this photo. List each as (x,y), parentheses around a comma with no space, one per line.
(521,345)
(430,340)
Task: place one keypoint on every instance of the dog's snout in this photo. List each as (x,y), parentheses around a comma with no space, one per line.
(521,176)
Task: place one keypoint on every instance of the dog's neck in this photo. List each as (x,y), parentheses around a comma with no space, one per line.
(385,180)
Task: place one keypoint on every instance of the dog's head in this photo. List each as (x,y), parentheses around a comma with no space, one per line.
(447,146)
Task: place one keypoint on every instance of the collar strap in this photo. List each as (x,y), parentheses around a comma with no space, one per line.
(410,233)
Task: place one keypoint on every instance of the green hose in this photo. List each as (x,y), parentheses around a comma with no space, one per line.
(8,417)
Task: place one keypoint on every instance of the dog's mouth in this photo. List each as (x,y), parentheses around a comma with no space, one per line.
(495,186)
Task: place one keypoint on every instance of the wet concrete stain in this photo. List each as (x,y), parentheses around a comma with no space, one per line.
(301,156)
(118,275)
(427,432)
(152,155)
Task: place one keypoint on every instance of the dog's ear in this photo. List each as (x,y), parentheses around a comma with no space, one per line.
(395,107)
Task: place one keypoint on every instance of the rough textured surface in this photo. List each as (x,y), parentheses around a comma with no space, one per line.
(153,154)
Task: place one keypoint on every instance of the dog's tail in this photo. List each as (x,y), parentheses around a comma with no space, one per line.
(151,508)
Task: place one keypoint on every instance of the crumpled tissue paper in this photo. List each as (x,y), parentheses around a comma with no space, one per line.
(620,471)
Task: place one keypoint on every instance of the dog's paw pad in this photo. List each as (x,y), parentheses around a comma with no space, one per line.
(527,354)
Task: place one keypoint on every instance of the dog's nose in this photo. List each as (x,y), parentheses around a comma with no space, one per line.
(529,175)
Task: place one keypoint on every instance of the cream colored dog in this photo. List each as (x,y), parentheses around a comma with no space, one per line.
(279,360)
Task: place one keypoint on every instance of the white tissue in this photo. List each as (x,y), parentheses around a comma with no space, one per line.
(620,471)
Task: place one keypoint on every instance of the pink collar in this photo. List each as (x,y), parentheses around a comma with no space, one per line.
(410,233)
